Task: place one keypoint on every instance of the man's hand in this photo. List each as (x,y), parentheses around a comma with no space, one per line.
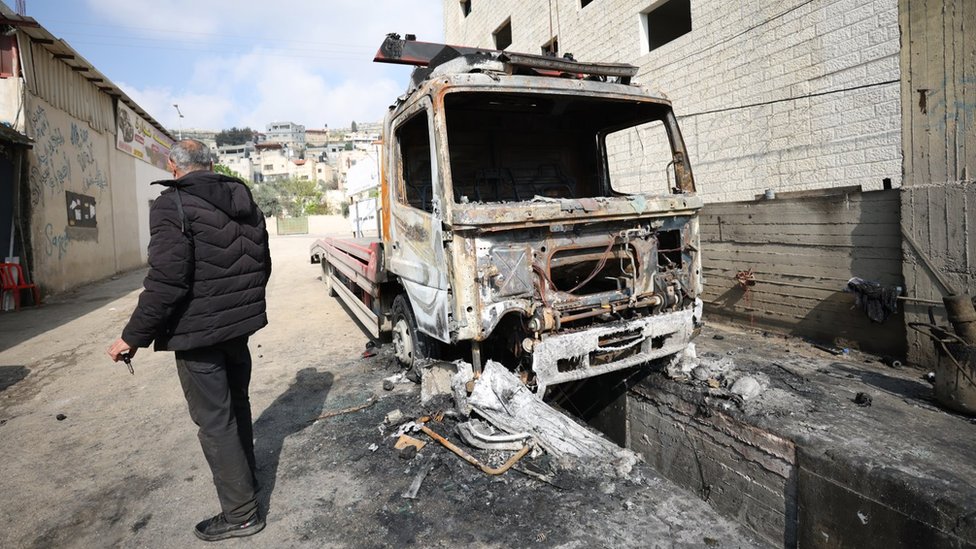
(119,348)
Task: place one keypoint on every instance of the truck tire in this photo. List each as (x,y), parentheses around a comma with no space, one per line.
(410,346)
(327,278)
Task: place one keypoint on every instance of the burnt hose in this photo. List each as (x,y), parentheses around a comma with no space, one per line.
(473,460)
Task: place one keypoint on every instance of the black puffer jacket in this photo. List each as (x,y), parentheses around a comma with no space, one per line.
(207,271)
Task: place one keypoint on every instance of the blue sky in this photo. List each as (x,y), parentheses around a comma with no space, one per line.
(245,62)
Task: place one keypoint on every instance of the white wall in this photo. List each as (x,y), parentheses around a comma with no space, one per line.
(146,174)
(788,58)
(70,156)
(10,103)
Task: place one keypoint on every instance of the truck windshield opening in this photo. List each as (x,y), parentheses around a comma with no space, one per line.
(509,147)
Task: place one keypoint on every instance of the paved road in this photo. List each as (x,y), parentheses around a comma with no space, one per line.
(123,468)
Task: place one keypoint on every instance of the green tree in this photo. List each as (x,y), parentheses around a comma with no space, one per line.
(223,169)
(353,127)
(300,196)
(267,198)
(235,136)
(320,209)
(291,197)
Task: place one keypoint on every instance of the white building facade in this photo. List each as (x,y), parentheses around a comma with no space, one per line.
(286,133)
(785,95)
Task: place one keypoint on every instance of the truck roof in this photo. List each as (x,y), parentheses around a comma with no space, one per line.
(533,73)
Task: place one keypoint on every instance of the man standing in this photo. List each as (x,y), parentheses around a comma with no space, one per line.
(209,264)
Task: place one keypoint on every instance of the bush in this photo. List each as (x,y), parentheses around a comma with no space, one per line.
(320,209)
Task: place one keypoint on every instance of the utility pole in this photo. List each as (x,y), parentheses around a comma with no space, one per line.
(181,119)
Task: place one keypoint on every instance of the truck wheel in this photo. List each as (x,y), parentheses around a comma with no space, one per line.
(327,278)
(410,347)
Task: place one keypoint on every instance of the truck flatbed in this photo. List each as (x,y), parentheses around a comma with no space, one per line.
(352,268)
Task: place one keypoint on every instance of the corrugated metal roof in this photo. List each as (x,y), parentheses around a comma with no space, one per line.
(64,53)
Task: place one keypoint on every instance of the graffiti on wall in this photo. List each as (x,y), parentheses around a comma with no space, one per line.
(92,176)
(52,170)
(66,158)
(55,242)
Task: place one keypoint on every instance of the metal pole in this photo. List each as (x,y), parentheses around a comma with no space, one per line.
(359,232)
(180,120)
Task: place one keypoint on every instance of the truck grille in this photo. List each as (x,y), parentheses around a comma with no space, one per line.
(585,271)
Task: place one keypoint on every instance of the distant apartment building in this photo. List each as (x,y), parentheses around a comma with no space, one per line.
(207,137)
(286,133)
(362,139)
(786,95)
(272,161)
(347,160)
(317,137)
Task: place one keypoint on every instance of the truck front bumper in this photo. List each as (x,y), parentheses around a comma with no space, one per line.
(605,348)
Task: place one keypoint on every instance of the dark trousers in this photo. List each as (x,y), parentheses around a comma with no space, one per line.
(215,381)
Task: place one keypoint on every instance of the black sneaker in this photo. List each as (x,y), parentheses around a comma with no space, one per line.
(217,528)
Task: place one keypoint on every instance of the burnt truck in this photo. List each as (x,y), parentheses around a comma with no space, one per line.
(537,211)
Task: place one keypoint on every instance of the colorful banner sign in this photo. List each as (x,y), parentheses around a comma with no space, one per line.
(140,139)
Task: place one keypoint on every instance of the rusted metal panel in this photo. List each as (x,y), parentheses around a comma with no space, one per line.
(539,212)
(416,240)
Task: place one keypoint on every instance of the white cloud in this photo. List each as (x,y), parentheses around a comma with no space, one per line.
(199,110)
(163,18)
(251,63)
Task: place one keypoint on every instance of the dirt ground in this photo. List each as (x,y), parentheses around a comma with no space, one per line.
(94,457)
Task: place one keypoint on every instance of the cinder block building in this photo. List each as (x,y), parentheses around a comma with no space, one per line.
(786,95)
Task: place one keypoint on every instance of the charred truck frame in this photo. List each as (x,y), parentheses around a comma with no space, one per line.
(541,210)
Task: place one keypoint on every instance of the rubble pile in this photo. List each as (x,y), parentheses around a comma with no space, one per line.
(495,423)
(717,374)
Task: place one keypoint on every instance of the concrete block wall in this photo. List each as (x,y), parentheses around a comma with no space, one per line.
(786,95)
(319,225)
(802,251)
(939,116)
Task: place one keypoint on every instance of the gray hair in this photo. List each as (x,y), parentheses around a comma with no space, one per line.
(191,155)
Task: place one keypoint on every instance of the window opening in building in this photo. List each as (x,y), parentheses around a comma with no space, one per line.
(666,22)
(503,36)
(551,47)
(8,56)
(466,7)
(413,138)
